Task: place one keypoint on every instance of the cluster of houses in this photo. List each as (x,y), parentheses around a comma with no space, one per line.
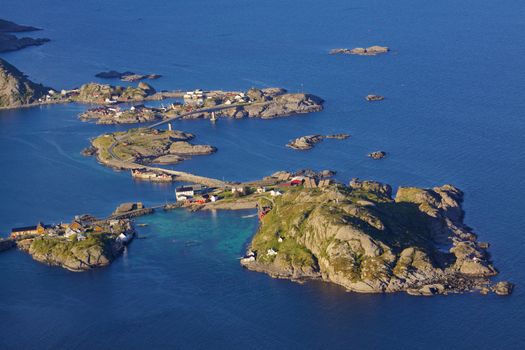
(195,97)
(53,95)
(195,194)
(235,98)
(102,111)
(79,228)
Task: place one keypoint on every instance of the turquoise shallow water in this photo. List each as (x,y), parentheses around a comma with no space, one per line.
(453,114)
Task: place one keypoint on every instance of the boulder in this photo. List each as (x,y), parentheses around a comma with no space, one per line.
(503,288)
(377,155)
(374,98)
(305,142)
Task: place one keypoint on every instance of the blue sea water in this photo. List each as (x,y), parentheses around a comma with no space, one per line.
(453,114)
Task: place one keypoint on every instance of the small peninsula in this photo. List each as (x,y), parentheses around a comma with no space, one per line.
(16,89)
(10,42)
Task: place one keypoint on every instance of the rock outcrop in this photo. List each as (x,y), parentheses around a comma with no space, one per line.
(16,89)
(305,142)
(357,236)
(372,98)
(377,155)
(360,51)
(309,141)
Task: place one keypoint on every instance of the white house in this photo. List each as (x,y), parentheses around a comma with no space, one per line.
(275,193)
(185,192)
(271,252)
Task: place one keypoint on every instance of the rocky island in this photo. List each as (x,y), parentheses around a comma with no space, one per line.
(146,146)
(10,42)
(126,76)
(81,245)
(360,51)
(361,238)
(265,104)
(309,141)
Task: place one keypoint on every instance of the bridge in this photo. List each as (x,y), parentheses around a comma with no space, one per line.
(198,111)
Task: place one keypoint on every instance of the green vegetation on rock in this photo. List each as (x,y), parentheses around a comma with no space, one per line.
(359,237)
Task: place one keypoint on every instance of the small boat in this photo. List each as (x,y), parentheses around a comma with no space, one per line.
(142,225)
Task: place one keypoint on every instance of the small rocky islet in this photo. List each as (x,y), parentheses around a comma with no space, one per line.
(309,141)
(361,51)
(377,155)
(126,76)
